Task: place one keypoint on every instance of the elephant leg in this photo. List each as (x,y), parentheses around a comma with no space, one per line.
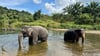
(43,39)
(77,40)
(35,40)
(66,37)
(30,41)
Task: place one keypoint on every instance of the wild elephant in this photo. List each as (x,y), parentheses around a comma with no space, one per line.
(35,34)
(73,35)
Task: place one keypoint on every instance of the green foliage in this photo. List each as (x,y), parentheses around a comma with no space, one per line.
(74,9)
(97,27)
(10,16)
(44,23)
(79,11)
(93,8)
(98,20)
(62,17)
(68,18)
(84,19)
(57,17)
(37,15)
(72,25)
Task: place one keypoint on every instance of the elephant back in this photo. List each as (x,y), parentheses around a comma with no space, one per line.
(41,30)
(69,35)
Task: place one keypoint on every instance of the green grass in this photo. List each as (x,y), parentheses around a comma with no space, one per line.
(52,24)
(44,23)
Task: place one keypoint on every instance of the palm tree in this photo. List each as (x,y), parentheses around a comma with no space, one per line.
(74,9)
(94,9)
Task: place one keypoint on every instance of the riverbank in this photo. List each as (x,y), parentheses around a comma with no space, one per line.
(87,31)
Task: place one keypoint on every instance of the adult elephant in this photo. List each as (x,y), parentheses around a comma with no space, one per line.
(35,34)
(73,35)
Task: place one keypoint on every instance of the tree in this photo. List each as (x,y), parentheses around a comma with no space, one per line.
(5,22)
(94,9)
(57,17)
(37,15)
(74,9)
(84,19)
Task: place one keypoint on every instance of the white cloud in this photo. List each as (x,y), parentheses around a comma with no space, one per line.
(21,9)
(58,5)
(85,2)
(12,2)
(64,3)
(50,7)
(37,1)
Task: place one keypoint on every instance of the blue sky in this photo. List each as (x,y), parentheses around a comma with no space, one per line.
(46,6)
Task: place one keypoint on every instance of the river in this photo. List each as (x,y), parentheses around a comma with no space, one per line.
(55,46)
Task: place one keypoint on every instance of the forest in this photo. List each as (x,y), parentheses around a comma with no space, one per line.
(75,15)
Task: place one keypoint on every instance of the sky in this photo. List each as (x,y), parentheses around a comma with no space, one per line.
(46,6)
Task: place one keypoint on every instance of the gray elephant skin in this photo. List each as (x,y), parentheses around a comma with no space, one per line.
(73,35)
(35,34)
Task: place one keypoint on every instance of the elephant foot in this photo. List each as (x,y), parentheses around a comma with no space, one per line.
(43,40)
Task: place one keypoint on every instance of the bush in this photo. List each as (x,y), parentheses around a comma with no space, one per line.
(53,24)
(84,19)
(98,20)
(97,27)
(72,25)
(44,23)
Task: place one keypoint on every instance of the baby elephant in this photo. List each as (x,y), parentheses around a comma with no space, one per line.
(73,35)
(35,34)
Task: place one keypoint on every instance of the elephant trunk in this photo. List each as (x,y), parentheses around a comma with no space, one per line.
(20,39)
(82,40)
(83,37)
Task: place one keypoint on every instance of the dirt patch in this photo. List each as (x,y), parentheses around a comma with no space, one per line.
(93,31)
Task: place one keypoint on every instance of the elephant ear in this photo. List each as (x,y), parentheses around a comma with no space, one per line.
(29,31)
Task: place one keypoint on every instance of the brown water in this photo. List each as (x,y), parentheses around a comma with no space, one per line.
(55,46)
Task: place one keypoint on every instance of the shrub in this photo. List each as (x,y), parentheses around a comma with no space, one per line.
(84,19)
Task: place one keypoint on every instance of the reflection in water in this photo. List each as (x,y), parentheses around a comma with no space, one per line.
(36,50)
(75,48)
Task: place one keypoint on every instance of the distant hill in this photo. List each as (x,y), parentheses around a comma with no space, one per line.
(13,14)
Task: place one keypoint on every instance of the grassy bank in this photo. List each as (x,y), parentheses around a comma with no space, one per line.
(52,24)
(48,23)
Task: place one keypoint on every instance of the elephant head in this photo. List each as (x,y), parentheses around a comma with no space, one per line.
(24,32)
(80,33)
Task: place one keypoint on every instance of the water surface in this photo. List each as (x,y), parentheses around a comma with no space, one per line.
(55,46)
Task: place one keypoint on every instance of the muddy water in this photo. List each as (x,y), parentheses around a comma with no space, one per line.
(55,46)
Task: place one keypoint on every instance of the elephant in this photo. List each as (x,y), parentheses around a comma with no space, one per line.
(73,35)
(34,34)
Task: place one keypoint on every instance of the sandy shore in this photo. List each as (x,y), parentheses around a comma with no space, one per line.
(87,31)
